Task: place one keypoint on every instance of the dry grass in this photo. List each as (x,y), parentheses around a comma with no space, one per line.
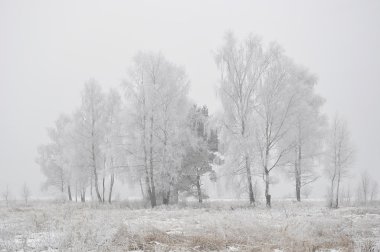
(220,226)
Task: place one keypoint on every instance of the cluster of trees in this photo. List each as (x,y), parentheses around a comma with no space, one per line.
(272,116)
(152,133)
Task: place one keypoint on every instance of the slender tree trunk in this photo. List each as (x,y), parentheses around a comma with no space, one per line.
(267,195)
(83,195)
(266,172)
(142,189)
(337,191)
(198,183)
(104,189)
(166,192)
(76,192)
(95,174)
(249,180)
(297,180)
(69,192)
(298,188)
(165,197)
(153,195)
(147,181)
(92,198)
(111,187)
(298,174)
(248,167)
(332,192)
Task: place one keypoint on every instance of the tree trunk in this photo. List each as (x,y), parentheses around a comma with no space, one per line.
(165,197)
(298,174)
(249,179)
(267,195)
(104,189)
(248,167)
(331,203)
(95,174)
(83,195)
(111,187)
(298,189)
(69,192)
(147,182)
(153,200)
(337,191)
(298,181)
(198,184)
(142,189)
(92,198)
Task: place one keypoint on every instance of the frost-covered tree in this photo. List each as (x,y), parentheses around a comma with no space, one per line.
(54,157)
(339,157)
(307,132)
(276,108)
(25,193)
(157,103)
(6,195)
(111,146)
(367,189)
(198,155)
(365,184)
(89,131)
(242,65)
(374,190)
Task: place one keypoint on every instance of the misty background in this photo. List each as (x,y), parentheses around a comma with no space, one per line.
(49,49)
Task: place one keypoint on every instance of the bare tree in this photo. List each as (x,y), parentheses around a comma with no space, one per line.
(89,131)
(54,158)
(339,157)
(307,133)
(276,109)
(374,191)
(345,195)
(367,189)
(25,193)
(6,194)
(241,66)
(365,184)
(157,97)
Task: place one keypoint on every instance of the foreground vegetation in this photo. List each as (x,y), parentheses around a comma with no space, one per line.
(214,226)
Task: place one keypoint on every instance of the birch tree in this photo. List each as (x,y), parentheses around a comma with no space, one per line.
(309,126)
(54,158)
(339,157)
(90,129)
(241,65)
(111,145)
(156,93)
(275,110)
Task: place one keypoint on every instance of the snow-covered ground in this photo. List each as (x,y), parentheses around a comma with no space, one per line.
(215,226)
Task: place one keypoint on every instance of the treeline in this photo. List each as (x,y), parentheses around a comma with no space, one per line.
(151,132)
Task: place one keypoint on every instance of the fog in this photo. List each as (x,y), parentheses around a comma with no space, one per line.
(49,49)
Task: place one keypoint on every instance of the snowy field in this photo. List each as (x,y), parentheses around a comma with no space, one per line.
(216,226)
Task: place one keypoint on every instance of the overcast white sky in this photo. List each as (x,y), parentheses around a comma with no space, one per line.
(48,49)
